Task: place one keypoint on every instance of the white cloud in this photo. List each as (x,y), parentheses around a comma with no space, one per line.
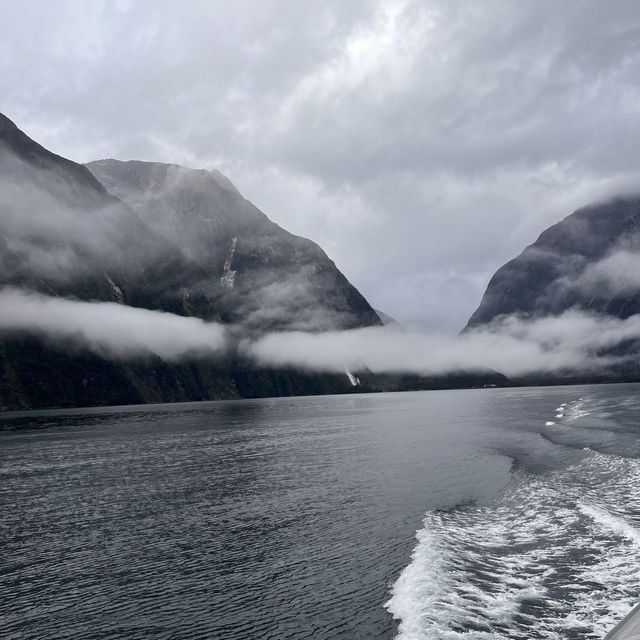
(108,328)
(515,346)
(573,341)
(617,274)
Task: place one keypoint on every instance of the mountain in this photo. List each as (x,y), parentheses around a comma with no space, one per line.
(256,273)
(588,261)
(62,234)
(159,237)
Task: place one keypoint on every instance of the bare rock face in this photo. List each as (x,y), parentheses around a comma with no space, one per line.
(588,261)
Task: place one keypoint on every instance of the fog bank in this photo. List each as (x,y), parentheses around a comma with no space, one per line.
(110,329)
(516,346)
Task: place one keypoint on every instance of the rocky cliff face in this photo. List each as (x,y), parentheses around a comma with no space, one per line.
(588,261)
(159,237)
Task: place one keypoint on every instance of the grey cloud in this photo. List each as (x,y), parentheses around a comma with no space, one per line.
(42,226)
(294,304)
(615,276)
(57,230)
(421,144)
(618,273)
(109,328)
(574,341)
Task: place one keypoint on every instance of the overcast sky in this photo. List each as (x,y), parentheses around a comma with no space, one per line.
(421,144)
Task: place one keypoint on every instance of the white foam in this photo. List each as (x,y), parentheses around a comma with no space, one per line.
(549,423)
(576,410)
(488,571)
(611,522)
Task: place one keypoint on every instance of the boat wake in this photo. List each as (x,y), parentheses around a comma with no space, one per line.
(556,556)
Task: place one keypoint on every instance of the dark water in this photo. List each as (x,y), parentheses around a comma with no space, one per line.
(297,518)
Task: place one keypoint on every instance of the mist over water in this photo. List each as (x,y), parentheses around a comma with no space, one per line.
(574,341)
(418,515)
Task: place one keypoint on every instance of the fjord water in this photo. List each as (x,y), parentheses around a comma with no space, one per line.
(490,513)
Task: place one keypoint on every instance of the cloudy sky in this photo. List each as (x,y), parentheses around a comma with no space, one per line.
(421,144)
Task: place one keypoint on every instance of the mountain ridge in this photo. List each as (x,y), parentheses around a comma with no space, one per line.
(545,279)
(588,265)
(276,276)
(28,149)
(64,235)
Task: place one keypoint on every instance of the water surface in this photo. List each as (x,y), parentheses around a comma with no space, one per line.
(297,517)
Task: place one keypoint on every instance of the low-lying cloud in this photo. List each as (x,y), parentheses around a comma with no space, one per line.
(108,328)
(616,274)
(514,345)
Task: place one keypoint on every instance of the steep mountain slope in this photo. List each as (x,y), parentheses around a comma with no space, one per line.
(589,261)
(61,233)
(257,274)
(190,244)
